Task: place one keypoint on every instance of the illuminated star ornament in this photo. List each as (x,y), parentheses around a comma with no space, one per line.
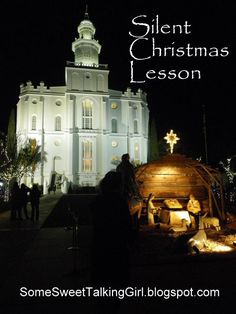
(171,138)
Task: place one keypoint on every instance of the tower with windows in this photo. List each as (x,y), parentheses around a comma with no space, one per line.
(84,127)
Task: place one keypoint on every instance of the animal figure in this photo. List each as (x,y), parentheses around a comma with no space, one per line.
(198,241)
(211,222)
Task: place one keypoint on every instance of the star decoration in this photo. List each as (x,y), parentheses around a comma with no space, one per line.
(171,138)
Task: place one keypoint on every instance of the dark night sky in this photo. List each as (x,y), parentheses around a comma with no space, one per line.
(36,39)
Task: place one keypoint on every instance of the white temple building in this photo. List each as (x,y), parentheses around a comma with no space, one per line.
(84,127)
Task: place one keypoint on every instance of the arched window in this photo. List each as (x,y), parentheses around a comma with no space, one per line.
(58,123)
(113,125)
(135,126)
(33,122)
(87,156)
(87,113)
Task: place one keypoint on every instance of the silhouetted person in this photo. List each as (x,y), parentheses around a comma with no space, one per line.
(24,190)
(130,187)
(15,202)
(52,188)
(34,200)
(111,235)
(70,190)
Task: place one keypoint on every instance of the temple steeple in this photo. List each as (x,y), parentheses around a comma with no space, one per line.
(86,16)
(86,49)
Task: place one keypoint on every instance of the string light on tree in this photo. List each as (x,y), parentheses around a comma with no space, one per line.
(171,138)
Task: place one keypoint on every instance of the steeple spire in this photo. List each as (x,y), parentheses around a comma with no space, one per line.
(86,15)
(86,48)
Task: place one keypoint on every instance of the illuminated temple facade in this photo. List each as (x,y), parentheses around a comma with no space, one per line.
(84,127)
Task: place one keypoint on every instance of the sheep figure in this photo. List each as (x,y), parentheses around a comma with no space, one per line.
(199,240)
(209,222)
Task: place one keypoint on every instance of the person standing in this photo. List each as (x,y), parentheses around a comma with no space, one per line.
(15,202)
(130,187)
(24,190)
(34,200)
(111,233)
(194,209)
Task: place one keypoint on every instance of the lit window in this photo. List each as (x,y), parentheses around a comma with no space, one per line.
(58,123)
(87,161)
(87,114)
(113,125)
(136,152)
(33,123)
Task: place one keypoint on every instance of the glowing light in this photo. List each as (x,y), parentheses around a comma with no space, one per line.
(177,217)
(213,246)
(33,145)
(171,138)
(114,144)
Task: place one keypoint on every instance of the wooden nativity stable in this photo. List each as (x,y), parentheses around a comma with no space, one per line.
(176,176)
